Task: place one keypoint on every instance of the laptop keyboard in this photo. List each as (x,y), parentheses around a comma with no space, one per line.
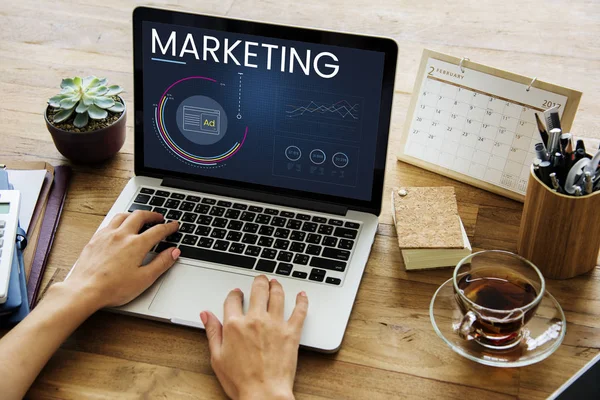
(265,239)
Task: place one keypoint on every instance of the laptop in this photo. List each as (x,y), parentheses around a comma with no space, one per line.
(268,144)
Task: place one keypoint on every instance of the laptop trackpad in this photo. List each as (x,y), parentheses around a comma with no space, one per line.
(188,290)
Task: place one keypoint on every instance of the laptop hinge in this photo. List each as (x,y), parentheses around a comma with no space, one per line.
(262,197)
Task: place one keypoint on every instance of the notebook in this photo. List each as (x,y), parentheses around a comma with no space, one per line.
(430,231)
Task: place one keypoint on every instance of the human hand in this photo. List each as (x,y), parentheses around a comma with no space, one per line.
(255,355)
(109,270)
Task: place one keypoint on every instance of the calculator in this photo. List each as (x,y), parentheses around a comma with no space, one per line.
(9,220)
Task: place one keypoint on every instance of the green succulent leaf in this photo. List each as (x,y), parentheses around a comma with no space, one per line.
(104,102)
(113,90)
(117,108)
(77,81)
(94,82)
(96,112)
(102,82)
(98,91)
(81,107)
(54,101)
(86,81)
(67,90)
(88,100)
(81,120)
(68,83)
(63,115)
(68,103)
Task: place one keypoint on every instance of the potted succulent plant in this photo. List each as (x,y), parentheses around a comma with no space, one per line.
(87,119)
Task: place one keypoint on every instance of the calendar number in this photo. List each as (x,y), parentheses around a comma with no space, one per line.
(422,107)
(434,124)
(465,134)
(431,71)
(485,126)
(415,131)
(438,111)
(431,136)
(501,131)
(480,139)
(521,123)
(449,129)
(488,112)
(453,116)
(496,144)
(419,119)
(548,103)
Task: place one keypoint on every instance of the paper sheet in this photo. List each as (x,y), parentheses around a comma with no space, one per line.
(29,183)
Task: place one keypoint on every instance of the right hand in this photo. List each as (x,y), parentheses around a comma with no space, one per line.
(254,356)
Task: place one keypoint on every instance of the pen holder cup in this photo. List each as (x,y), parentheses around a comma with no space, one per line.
(560,234)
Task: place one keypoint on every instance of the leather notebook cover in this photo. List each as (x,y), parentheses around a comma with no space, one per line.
(427,218)
(49,225)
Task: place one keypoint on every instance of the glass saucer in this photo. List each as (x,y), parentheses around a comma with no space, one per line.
(540,337)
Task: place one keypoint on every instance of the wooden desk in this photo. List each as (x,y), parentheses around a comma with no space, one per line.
(390,349)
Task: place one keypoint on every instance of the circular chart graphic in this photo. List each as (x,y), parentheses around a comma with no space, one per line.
(194,127)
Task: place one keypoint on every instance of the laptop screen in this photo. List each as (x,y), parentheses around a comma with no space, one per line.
(261,110)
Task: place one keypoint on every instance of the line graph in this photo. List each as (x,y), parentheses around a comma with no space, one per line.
(343,108)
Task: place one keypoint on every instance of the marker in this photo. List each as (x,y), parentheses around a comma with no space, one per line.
(565,138)
(580,145)
(554,139)
(545,171)
(541,152)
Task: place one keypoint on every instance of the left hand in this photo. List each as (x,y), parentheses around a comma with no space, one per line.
(109,268)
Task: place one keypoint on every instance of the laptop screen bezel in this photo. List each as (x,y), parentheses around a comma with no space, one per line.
(384,45)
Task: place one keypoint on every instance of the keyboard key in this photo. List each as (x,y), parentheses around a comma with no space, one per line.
(346,244)
(325,229)
(265,241)
(174,238)
(303,217)
(252,251)
(202,230)
(217,211)
(294,224)
(157,201)
(143,207)
(194,199)
(265,265)
(285,256)
(177,196)
(287,214)
(250,227)
(317,275)
(268,253)
(266,230)
(162,246)
(249,238)
(224,203)
(301,259)
(218,233)
(145,227)
(221,245)
(142,199)
(239,206)
(281,244)
(277,221)
(320,220)
(309,227)
(298,247)
(284,269)
(298,235)
(218,257)
(336,222)
(235,225)
(343,255)
(232,214)
(237,248)
(189,217)
(313,250)
(327,264)
(208,201)
(247,216)
(330,241)
(174,214)
(271,211)
(234,236)
(351,225)
(255,209)
(147,191)
(314,238)
(204,220)
(263,219)
(190,240)
(187,228)
(333,281)
(282,233)
(163,193)
(206,242)
(187,206)
(160,210)
(202,209)
(219,223)
(345,233)
(299,274)
(172,204)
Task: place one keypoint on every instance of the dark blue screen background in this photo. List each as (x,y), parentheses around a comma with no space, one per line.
(304,133)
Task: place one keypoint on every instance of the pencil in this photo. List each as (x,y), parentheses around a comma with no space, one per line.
(542,129)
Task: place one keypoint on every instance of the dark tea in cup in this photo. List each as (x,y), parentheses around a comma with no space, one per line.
(498,293)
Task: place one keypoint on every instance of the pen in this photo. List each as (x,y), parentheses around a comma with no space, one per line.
(587,181)
(579,154)
(554,139)
(542,129)
(541,152)
(577,190)
(580,145)
(565,138)
(554,181)
(545,171)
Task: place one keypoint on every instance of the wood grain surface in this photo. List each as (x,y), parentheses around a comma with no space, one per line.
(390,349)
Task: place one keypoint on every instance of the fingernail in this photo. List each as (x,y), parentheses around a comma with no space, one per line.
(237,290)
(303,293)
(204,317)
(274,280)
(175,254)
